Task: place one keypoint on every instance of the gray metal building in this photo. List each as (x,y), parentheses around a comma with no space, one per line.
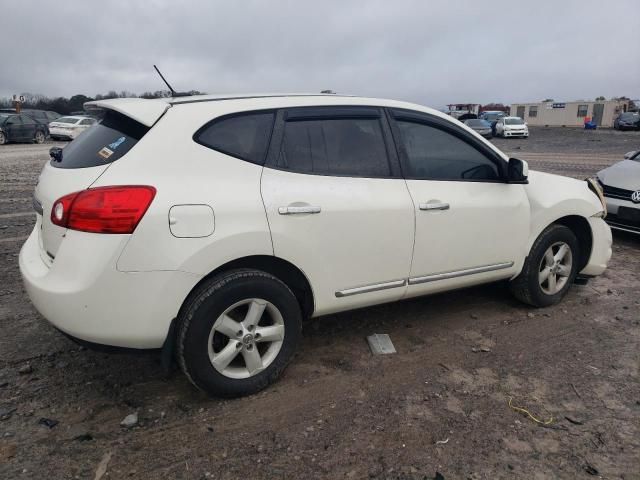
(570,114)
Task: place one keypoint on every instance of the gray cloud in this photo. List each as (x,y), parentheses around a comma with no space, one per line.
(428,52)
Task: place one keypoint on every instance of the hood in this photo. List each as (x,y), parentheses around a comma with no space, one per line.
(624,174)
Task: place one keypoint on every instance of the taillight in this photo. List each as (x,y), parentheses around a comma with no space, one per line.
(103,209)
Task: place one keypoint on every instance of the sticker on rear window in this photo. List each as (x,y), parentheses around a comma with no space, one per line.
(105,153)
(117,143)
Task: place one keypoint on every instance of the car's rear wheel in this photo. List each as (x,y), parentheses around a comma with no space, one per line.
(3,138)
(238,332)
(39,137)
(550,268)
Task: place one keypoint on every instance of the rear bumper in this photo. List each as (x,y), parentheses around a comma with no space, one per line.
(57,132)
(83,294)
(601,248)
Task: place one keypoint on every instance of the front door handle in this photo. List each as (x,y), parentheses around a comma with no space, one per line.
(434,206)
(298,210)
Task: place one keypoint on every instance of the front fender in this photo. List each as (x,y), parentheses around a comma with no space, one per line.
(552,197)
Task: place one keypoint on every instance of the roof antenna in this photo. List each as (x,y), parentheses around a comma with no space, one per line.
(173,92)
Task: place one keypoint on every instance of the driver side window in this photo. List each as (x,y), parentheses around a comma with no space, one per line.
(435,154)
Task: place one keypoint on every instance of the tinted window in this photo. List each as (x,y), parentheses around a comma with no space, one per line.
(13,120)
(435,154)
(340,146)
(27,120)
(87,121)
(244,136)
(106,142)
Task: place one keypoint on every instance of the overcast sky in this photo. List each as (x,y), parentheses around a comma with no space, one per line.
(430,52)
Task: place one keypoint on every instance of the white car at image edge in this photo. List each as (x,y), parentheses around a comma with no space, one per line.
(212,226)
(512,127)
(69,127)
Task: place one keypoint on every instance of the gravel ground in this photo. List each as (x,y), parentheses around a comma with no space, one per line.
(439,405)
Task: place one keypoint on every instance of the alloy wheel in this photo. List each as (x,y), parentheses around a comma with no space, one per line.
(246,338)
(555,268)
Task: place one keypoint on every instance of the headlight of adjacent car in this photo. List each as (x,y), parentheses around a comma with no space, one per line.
(594,186)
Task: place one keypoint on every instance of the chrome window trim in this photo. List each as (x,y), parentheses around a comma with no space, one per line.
(459,273)
(370,288)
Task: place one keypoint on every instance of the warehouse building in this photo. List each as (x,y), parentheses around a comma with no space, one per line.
(570,114)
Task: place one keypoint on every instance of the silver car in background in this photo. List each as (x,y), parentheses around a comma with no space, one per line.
(480,126)
(621,187)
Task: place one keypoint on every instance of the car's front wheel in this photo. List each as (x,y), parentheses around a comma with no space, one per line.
(39,137)
(550,268)
(238,332)
(3,138)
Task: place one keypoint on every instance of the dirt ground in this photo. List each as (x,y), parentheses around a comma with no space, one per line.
(439,405)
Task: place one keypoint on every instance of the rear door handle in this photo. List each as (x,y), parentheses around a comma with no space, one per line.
(298,210)
(434,206)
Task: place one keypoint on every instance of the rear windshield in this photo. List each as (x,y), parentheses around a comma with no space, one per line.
(103,143)
(67,120)
(477,123)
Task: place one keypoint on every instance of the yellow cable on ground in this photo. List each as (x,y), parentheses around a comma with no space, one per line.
(528,414)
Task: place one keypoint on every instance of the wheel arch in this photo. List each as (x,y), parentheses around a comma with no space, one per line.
(582,230)
(285,271)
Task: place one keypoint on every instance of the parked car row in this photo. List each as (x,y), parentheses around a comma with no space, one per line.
(38,125)
(503,127)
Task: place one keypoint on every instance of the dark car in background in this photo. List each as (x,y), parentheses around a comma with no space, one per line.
(627,121)
(21,128)
(492,116)
(480,126)
(41,116)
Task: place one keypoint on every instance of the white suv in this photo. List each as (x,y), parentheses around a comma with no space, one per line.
(212,226)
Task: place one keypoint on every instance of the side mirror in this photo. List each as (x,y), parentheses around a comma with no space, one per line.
(629,155)
(517,171)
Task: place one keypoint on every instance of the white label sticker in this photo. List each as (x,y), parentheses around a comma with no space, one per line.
(105,153)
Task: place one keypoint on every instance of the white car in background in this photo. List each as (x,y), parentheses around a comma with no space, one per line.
(512,127)
(212,226)
(68,128)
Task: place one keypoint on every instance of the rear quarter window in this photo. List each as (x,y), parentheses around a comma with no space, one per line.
(245,136)
(103,143)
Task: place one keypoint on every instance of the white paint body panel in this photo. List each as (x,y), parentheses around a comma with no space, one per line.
(486,224)
(124,290)
(363,234)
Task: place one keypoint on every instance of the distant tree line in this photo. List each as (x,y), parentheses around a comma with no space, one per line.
(75,103)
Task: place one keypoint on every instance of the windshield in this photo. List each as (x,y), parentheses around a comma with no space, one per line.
(513,121)
(478,123)
(492,116)
(67,120)
(630,116)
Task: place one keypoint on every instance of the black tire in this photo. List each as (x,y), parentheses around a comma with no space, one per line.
(3,138)
(210,301)
(526,286)
(39,137)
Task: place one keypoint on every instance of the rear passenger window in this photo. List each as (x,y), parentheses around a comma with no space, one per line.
(243,136)
(435,154)
(340,146)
